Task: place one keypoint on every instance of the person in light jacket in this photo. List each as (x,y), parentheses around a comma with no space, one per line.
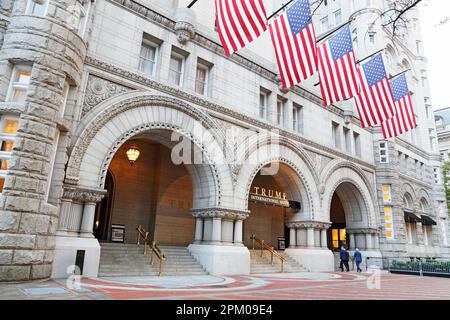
(358,259)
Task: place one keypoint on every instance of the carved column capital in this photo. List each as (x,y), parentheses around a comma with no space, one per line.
(83,195)
(308,224)
(223,213)
(185,25)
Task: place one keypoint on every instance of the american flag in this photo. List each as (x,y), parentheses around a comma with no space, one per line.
(239,22)
(404,119)
(337,68)
(294,40)
(375,103)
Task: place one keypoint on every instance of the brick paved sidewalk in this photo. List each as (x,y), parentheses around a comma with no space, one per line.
(304,286)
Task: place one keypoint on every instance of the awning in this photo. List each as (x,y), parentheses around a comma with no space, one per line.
(427,221)
(410,217)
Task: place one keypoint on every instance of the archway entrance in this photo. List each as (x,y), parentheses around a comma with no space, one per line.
(273,200)
(349,218)
(154,192)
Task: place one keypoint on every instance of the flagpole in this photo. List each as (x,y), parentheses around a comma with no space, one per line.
(329,33)
(364,59)
(192,3)
(279,10)
(399,74)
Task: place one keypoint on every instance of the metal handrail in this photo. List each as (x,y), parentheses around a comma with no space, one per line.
(141,233)
(265,246)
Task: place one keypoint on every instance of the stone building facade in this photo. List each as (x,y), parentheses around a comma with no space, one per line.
(83,80)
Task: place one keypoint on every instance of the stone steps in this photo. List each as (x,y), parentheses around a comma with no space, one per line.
(129,260)
(262,265)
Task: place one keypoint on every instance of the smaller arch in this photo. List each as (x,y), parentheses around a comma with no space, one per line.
(407,188)
(408,202)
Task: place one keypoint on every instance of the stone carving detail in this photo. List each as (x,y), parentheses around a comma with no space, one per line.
(308,224)
(319,161)
(82,195)
(220,213)
(99,90)
(185,31)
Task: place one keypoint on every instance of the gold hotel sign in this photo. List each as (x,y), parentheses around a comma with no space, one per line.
(269,197)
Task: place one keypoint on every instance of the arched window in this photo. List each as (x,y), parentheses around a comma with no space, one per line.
(408,202)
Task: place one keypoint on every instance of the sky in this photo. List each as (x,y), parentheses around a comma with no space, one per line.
(436,41)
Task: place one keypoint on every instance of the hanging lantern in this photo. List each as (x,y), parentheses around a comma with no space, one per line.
(133,154)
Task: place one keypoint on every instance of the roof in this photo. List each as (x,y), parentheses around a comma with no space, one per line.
(444,115)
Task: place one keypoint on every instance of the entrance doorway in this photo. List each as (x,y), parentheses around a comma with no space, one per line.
(152,192)
(273,208)
(337,234)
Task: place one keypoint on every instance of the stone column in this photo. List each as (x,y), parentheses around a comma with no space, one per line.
(369,241)
(91,198)
(198,230)
(216,235)
(227,230)
(377,241)
(310,237)
(317,238)
(352,241)
(292,238)
(238,232)
(324,239)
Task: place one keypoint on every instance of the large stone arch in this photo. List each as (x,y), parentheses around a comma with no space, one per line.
(113,122)
(301,177)
(424,196)
(355,191)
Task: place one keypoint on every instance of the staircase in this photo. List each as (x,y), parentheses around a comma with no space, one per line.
(129,260)
(262,265)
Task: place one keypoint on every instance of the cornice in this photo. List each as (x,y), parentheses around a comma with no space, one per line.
(213,108)
(412,148)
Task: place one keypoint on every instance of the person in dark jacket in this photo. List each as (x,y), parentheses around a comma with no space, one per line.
(344,260)
(358,260)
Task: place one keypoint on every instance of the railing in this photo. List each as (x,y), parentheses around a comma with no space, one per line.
(420,267)
(141,233)
(264,246)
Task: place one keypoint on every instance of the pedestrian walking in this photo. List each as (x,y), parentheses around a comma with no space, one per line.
(344,259)
(358,260)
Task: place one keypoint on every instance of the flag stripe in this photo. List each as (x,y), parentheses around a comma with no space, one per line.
(239,22)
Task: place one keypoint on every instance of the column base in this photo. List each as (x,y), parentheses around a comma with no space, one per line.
(314,260)
(65,255)
(222,260)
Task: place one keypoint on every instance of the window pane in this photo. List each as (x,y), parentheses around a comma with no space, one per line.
(10,126)
(4,164)
(7,146)
(2,183)
(200,82)
(175,64)
(38,7)
(23,77)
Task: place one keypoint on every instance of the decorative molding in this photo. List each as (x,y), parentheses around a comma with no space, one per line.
(223,213)
(83,195)
(374,231)
(308,224)
(99,90)
(184,31)
(211,106)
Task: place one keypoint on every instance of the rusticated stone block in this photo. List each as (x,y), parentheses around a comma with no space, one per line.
(14,273)
(34,146)
(16,241)
(9,221)
(6,256)
(34,223)
(22,204)
(41,111)
(49,255)
(28,256)
(26,164)
(37,128)
(25,184)
(41,271)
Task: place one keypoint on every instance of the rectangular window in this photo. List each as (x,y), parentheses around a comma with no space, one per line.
(389,223)
(8,130)
(20,81)
(201,78)
(347,140)
(147,57)
(325,24)
(387,193)
(37,7)
(297,118)
(176,69)
(372,38)
(65,97)
(280,111)
(263,103)
(384,153)
(444,232)
(357,144)
(337,17)
(336,135)
(437,175)
(84,16)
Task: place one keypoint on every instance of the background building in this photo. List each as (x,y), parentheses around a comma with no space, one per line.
(80,90)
